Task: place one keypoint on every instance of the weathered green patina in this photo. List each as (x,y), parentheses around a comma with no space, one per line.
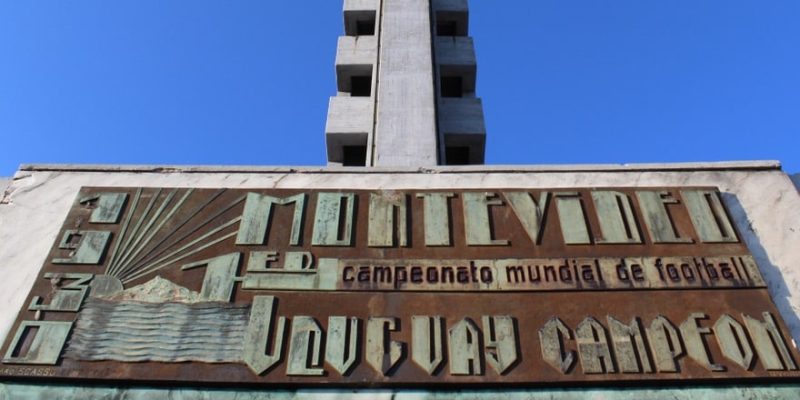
(47,392)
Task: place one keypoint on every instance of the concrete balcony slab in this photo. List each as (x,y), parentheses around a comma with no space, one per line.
(450,5)
(461,116)
(455,50)
(350,121)
(361,5)
(456,57)
(355,56)
(461,124)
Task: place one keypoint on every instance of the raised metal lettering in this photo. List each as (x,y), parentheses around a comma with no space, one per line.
(107,207)
(220,277)
(733,342)
(529,212)
(259,353)
(298,261)
(381,357)
(331,226)
(427,342)
(665,344)
(46,346)
(305,348)
(695,345)
(571,216)
(260,261)
(383,229)
(656,216)
(769,343)
(465,349)
(255,224)
(68,297)
(437,218)
(87,247)
(615,213)
(341,348)
(708,216)
(552,337)
(477,219)
(629,346)
(593,348)
(501,342)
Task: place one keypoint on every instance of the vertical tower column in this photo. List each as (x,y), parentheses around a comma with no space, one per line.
(405,130)
(405,74)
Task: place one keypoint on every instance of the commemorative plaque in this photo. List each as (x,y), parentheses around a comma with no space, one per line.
(405,288)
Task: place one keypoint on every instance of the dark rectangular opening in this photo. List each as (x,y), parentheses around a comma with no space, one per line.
(446,28)
(452,86)
(361,86)
(457,155)
(359,23)
(354,156)
(365,27)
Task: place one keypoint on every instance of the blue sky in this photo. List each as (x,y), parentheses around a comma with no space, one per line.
(247,82)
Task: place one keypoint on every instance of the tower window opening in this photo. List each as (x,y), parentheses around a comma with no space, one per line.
(446,28)
(361,86)
(456,155)
(360,23)
(354,156)
(365,27)
(452,86)
(452,23)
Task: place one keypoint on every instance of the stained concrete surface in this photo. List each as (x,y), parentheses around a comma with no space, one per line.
(750,392)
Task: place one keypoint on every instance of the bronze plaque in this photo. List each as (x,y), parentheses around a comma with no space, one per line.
(400,288)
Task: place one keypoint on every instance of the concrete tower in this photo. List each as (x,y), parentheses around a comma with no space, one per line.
(405,72)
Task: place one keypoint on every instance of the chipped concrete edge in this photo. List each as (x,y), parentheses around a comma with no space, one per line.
(692,166)
(5,184)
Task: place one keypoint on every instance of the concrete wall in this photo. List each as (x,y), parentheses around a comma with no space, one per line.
(796,180)
(405,130)
(762,199)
